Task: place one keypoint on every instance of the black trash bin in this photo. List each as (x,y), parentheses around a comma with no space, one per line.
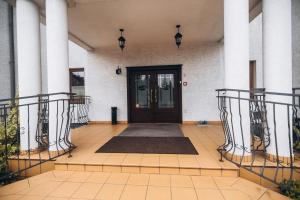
(113,115)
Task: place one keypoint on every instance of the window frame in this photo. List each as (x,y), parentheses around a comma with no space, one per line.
(79,100)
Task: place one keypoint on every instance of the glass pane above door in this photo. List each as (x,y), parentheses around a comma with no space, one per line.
(142,91)
(165,90)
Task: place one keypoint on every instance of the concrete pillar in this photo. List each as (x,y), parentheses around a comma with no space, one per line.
(277,60)
(236,58)
(29,70)
(58,70)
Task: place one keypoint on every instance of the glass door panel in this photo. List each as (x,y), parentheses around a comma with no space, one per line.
(165,93)
(142,91)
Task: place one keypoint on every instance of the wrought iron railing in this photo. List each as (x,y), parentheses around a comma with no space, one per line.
(259,131)
(79,110)
(36,129)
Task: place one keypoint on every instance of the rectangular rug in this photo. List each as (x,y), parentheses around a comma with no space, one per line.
(149,145)
(152,130)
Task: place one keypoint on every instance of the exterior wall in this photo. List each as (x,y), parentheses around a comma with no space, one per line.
(256,40)
(202,70)
(77,57)
(4,52)
(296,42)
(256,45)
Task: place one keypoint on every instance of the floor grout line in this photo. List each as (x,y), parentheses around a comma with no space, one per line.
(102,186)
(219,189)
(147,186)
(194,187)
(124,187)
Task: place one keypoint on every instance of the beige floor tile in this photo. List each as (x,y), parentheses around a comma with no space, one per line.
(133,160)
(93,168)
(190,171)
(150,161)
(111,168)
(181,181)
(211,172)
(169,170)
(160,180)
(188,162)
(230,173)
(204,182)
(31,197)
(209,194)
(149,170)
(225,182)
(252,189)
(271,195)
(66,189)
(98,177)
(55,198)
(183,194)
(235,195)
(168,161)
(44,189)
(110,192)
(79,167)
(87,191)
(138,179)
(114,159)
(118,178)
(79,177)
(61,175)
(158,193)
(11,197)
(133,192)
(44,177)
(131,169)
(14,188)
(97,158)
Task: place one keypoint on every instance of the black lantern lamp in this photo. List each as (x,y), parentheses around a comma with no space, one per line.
(178,36)
(122,40)
(118,70)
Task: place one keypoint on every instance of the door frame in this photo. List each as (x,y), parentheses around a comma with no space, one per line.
(131,69)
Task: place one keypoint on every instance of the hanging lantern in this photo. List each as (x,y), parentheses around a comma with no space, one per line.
(178,36)
(122,40)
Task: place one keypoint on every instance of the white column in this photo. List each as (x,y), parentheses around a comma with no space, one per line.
(29,70)
(236,58)
(277,59)
(57,68)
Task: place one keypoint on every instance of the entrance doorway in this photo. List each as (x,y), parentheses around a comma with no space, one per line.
(154,94)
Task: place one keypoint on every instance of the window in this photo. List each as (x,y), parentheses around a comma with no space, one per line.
(77,81)
(77,85)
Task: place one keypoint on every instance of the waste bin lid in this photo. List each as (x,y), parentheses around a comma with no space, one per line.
(114,108)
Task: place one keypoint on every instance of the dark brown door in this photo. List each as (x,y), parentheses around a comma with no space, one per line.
(154,94)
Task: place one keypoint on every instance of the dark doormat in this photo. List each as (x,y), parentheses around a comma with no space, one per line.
(155,145)
(152,130)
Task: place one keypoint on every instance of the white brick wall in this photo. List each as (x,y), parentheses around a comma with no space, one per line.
(202,70)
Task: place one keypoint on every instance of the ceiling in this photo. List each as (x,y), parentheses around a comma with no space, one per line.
(96,23)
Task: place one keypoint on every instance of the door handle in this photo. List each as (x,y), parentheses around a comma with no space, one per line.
(155,95)
(151,96)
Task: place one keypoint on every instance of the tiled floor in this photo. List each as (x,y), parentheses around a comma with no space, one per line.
(62,185)
(89,138)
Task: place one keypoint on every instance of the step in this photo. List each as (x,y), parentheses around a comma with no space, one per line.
(203,171)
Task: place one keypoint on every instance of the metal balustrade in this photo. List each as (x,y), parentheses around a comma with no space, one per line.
(36,129)
(269,122)
(79,110)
